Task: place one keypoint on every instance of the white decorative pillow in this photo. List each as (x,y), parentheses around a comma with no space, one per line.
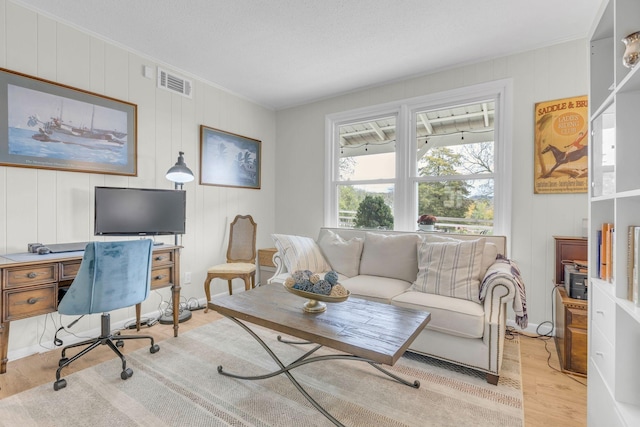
(342,255)
(489,254)
(300,253)
(450,268)
(390,255)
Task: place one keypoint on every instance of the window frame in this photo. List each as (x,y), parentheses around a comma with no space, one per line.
(405,188)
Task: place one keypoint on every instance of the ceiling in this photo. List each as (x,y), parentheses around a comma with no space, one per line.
(283,53)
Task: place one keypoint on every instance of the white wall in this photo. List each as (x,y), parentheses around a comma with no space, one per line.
(53,206)
(540,75)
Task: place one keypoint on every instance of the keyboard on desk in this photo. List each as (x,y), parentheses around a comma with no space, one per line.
(67,247)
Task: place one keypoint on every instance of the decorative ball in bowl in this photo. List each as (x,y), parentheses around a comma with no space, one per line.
(316,289)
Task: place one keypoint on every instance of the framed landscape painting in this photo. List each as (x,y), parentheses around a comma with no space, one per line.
(48,125)
(229,160)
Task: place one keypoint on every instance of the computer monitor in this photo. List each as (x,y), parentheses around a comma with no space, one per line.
(139,211)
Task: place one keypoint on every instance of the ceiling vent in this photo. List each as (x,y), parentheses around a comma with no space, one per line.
(174,83)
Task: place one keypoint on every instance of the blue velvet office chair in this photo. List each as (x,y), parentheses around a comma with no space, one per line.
(112,275)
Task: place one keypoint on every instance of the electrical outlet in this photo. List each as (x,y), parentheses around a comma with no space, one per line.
(187,278)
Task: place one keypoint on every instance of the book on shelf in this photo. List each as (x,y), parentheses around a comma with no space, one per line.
(632,256)
(633,292)
(599,246)
(606,252)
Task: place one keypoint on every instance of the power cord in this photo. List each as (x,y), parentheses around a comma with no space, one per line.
(510,333)
(57,341)
(193,304)
(145,321)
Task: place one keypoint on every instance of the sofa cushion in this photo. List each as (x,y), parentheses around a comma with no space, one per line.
(450,268)
(300,253)
(343,255)
(452,316)
(375,288)
(393,256)
(489,254)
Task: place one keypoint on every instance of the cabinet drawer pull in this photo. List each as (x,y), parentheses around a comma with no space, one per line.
(32,275)
(160,277)
(600,311)
(599,353)
(30,301)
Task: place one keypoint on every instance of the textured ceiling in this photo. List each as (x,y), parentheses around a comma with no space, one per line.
(282,53)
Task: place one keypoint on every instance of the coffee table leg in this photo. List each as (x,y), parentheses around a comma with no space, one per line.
(414,384)
(284,370)
(303,360)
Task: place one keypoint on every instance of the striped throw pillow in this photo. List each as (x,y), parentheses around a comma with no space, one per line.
(450,268)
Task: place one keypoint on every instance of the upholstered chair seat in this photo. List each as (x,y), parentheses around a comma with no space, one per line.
(241,257)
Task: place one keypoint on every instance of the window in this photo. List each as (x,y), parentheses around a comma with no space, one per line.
(442,155)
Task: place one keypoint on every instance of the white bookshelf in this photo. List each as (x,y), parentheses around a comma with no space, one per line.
(614,173)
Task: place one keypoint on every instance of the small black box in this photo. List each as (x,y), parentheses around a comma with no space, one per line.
(575,282)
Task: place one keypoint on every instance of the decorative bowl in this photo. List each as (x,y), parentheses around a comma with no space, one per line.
(316,302)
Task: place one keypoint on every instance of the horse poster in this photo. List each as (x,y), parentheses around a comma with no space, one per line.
(561,143)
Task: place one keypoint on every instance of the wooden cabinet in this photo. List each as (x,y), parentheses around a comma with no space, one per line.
(568,249)
(571,315)
(571,332)
(266,267)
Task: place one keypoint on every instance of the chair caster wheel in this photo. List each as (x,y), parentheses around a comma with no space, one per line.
(120,343)
(59,384)
(62,361)
(154,348)
(126,374)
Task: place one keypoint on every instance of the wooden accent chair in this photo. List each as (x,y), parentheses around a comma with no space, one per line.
(241,257)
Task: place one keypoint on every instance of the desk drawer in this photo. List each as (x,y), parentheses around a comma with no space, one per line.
(27,276)
(161,258)
(69,269)
(161,277)
(32,302)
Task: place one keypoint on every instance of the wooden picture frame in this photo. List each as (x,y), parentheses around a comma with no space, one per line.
(561,163)
(48,125)
(229,160)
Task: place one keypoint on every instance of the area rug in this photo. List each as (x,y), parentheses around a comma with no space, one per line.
(180,386)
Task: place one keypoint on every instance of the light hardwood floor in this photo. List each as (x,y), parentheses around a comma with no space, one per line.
(551,398)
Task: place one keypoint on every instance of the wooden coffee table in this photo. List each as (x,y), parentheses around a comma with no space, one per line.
(367,331)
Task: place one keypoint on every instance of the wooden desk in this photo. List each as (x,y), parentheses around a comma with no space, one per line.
(30,285)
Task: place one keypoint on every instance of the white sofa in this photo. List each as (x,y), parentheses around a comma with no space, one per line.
(468,322)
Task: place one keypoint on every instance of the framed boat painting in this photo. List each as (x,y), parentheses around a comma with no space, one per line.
(229,160)
(48,125)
